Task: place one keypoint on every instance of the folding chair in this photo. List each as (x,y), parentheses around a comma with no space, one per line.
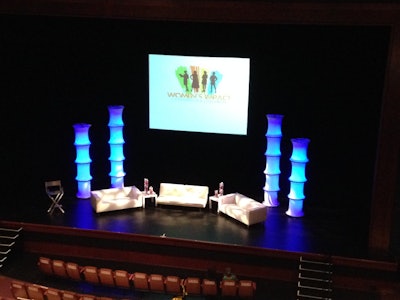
(55,192)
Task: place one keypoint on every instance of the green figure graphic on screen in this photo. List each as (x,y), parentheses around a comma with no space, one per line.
(185,77)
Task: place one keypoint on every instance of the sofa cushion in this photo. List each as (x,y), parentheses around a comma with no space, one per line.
(183,195)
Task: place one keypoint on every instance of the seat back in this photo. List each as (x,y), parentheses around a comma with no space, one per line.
(52,294)
(140,281)
(122,278)
(35,292)
(87,297)
(91,274)
(53,187)
(156,283)
(18,289)
(59,268)
(173,284)
(74,271)
(246,289)
(106,276)
(68,295)
(192,285)
(45,265)
(229,288)
(209,287)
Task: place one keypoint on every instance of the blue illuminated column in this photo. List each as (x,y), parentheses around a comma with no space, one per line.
(82,161)
(116,143)
(273,154)
(298,177)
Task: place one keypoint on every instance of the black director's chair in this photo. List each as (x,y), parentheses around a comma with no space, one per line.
(55,191)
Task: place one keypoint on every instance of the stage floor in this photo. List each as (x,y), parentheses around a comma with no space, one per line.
(336,233)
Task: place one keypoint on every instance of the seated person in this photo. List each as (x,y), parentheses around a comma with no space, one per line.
(228,275)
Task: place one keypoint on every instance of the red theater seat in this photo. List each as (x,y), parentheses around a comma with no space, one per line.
(123,279)
(45,265)
(68,295)
(229,288)
(59,268)
(156,283)
(140,281)
(192,285)
(18,289)
(246,289)
(173,284)
(209,287)
(91,274)
(35,291)
(106,276)
(74,271)
(53,294)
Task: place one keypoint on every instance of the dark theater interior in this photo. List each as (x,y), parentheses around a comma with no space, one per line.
(331,68)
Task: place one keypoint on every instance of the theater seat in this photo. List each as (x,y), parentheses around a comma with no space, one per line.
(45,265)
(123,279)
(229,288)
(173,284)
(246,289)
(87,297)
(156,283)
(18,289)
(90,274)
(74,271)
(106,276)
(209,287)
(140,281)
(192,285)
(69,295)
(35,291)
(59,268)
(53,294)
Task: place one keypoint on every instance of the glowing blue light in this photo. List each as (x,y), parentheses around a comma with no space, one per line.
(298,178)
(82,161)
(116,143)
(273,154)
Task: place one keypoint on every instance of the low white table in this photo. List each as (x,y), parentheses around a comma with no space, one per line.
(149,196)
(212,199)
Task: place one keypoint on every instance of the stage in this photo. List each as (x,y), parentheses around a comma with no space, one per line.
(337,233)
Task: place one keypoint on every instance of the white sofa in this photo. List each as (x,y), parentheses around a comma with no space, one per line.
(242,208)
(116,199)
(183,195)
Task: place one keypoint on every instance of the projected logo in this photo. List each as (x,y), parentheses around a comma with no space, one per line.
(198,80)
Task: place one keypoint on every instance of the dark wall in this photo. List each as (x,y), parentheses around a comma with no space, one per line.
(326,81)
